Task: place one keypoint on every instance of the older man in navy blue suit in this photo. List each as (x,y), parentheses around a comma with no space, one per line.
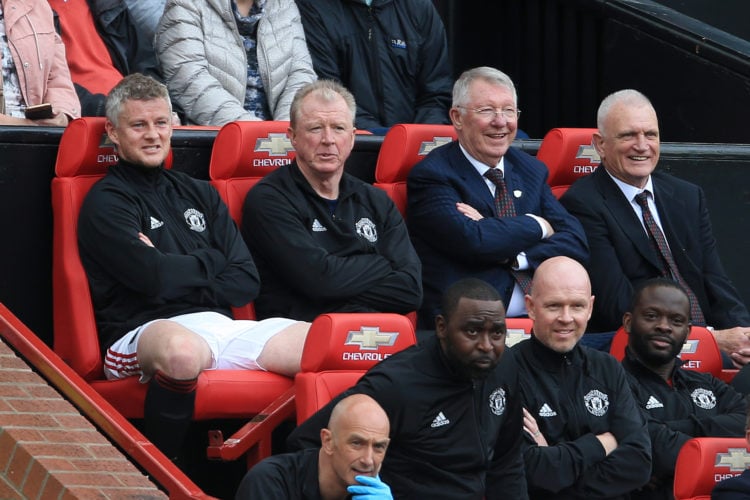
(478,207)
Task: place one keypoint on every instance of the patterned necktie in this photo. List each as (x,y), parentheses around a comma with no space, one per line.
(505,208)
(670,270)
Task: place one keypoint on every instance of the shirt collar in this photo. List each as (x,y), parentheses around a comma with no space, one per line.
(478,165)
(631,191)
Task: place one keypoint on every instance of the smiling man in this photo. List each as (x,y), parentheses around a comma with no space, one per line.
(680,404)
(643,224)
(584,434)
(480,207)
(165,264)
(454,409)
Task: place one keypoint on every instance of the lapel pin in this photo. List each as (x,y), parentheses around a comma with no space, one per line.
(517,193)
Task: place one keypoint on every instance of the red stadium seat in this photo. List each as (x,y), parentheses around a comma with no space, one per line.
(569,154)
(83,156)
(700,351)
(242,154)
(403,146)
(704,461)
(340,348)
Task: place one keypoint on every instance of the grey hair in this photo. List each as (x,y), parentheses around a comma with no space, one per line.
(327,90)
(626,96)
(135,87)
(486,73)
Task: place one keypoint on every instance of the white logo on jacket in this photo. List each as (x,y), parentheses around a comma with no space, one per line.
(195,220)
(546,411)
(653,403)
(704,398)
(366,229)
(440,421)
(497,401)
(597,403)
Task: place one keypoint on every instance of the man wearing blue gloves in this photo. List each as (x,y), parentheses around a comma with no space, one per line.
(348,462)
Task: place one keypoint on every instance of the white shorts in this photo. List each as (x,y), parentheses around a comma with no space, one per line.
(235,344)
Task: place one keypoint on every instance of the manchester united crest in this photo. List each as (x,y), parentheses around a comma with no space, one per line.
(497,401)
(596,402)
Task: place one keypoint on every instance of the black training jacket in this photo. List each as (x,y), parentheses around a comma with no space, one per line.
(198,263)
(574,397)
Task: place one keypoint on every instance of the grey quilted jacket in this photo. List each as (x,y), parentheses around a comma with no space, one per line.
(204,63)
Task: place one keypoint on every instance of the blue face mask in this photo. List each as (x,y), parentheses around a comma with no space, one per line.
(368,2)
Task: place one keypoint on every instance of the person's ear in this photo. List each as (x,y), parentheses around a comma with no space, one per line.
(529,302)
(111,130)
(456,117)
(326,441)
(441,326)
(627,318)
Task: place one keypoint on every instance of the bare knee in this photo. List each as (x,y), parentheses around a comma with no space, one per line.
(174,350)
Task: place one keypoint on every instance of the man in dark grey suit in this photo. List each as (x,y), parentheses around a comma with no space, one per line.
(642,224)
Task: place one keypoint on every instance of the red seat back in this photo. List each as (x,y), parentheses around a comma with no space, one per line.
(404,145)
(704,461)
(700,351)
(569,154)
(83,156)
(340,348)
(242,154)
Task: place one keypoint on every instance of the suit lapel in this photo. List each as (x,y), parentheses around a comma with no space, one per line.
(623,213)
(671,213)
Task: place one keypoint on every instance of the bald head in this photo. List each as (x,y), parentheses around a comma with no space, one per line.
(358,408)
(353,444)
(560,303)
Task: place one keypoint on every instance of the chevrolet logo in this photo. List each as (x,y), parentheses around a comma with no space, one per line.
(515,335)
(370,338)
(427,146)
(106,142)
(737,459)
(276,144)
(588,152)
(690,346)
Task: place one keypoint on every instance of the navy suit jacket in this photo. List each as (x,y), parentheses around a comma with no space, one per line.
(453,246)
(622,256)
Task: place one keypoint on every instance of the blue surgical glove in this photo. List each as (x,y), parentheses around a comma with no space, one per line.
(370,488)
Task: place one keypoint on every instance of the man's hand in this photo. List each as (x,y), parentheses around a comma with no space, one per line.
(608,441)
(369,488)
(145,239)
(469,211)
(736,343)
(530,426)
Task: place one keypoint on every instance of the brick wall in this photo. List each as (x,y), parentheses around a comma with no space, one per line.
(49,451)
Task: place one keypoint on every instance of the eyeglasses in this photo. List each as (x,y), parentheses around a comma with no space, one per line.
(488,113)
